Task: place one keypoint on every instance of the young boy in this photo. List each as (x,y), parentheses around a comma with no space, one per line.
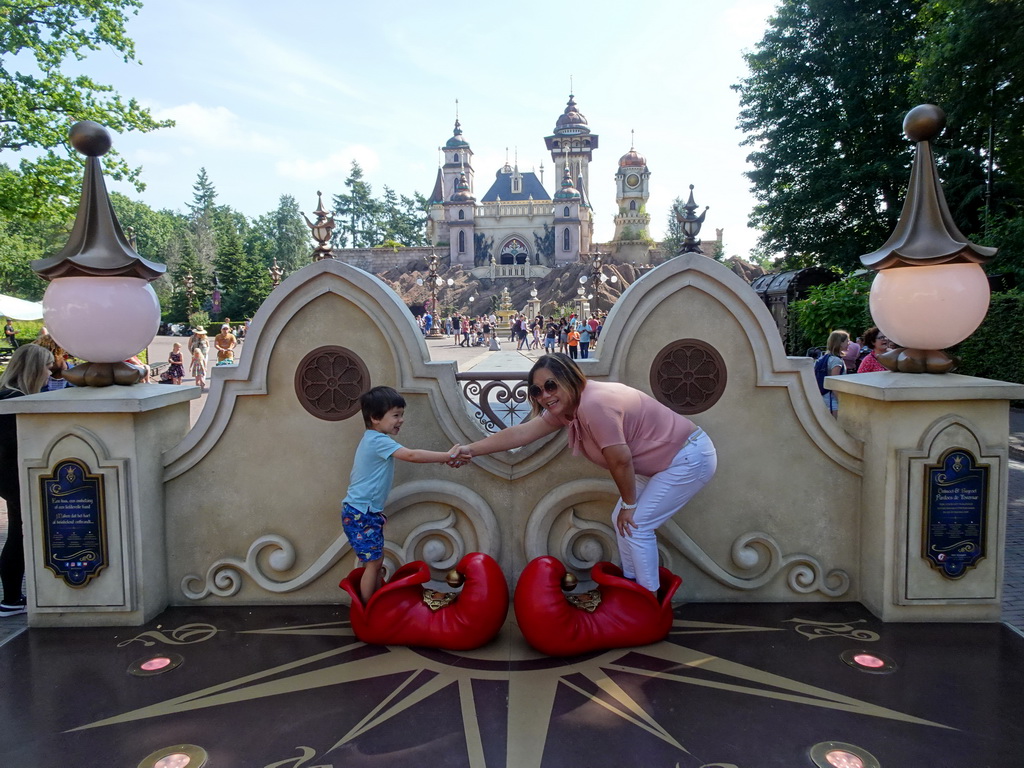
(373,472)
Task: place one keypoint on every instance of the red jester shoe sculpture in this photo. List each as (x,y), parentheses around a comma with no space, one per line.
(618,614)
(403,612)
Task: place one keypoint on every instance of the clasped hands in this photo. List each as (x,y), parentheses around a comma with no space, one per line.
(459,455)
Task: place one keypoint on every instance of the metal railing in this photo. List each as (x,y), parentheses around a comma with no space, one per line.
(496,400)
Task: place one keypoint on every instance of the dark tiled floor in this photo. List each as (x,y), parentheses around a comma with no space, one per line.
(748,686)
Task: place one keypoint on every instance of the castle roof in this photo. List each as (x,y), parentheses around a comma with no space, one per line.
(437,195)
(456,141)
(462,194)
(501,189)
(632,159)
(568,191)
(571,121)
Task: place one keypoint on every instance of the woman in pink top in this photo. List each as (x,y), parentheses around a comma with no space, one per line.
(875,340)
(657,458)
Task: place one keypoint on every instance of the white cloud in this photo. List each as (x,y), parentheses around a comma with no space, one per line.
(329,168)
(215,127)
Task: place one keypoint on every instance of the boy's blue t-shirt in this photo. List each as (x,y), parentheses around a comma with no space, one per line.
(373,471)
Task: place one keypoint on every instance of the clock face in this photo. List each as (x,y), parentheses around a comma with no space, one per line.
(632,181)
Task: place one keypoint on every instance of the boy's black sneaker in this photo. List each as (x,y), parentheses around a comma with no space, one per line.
(12,609)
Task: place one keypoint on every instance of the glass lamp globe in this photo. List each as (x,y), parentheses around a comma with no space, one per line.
(101,319)
(930,307)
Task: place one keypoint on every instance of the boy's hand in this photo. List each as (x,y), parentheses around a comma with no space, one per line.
(456,458)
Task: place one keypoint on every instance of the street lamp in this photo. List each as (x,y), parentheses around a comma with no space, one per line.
(598,279)
(321,229)
(99,305)
(691,225)
(930,291)
(435,282)
(190,292)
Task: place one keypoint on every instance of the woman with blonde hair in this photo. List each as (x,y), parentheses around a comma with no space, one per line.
(838,341)
(26,374)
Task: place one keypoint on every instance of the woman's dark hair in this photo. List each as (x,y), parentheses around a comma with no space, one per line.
(376,402)
(871,336)
(564,370)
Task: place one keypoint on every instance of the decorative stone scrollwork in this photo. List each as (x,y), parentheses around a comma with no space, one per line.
(329,381)
(761,556)
(688,376)
(557,528)
(440,543)
(586,543)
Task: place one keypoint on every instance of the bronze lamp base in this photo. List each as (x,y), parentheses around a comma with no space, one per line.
(103,374)
(906,360)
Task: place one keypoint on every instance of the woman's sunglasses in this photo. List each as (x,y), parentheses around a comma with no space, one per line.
(549,386)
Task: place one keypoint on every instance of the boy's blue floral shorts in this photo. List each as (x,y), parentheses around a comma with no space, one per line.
(365,531)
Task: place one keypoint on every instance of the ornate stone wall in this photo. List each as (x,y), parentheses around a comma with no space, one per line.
(253,491)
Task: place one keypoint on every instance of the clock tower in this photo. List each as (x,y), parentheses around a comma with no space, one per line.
(632,188)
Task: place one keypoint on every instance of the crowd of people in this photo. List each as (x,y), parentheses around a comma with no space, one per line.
(196,361)
(574,335)
(857,356)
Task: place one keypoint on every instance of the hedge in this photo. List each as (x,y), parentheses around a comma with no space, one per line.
(996,349)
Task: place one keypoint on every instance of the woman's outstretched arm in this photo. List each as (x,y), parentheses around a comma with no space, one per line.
(509,438)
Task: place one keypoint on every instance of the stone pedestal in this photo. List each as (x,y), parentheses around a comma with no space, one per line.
(909,423)
(113,438)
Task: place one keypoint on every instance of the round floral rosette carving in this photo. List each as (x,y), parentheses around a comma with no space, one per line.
(329,381)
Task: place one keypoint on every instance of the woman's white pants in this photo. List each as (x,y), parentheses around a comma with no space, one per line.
(659,498)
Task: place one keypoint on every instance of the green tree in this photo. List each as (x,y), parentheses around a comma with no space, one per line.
(970,64)
(674,236)
(242,276)
(821,108)
(287,236)
(403,219)
(201,215)
(358,212)
(204,197)
(175,304)
(16,277)
(157,233)
(39,101)
(827,307)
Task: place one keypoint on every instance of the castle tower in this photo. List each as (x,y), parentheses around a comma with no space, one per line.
(460,216)
(632,188)
(458,159)
(452,201)
(572,145)
(571,230)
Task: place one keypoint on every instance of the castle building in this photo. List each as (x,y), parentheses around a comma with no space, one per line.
(516,222)
(632,188)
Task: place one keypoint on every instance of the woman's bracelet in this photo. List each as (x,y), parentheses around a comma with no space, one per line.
(628,506)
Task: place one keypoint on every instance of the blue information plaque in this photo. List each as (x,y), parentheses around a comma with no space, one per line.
(74,523)
(956,512)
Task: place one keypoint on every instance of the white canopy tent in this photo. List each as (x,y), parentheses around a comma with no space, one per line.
(19,309)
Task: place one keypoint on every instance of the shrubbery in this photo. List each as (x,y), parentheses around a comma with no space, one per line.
(828,307)
(994,350)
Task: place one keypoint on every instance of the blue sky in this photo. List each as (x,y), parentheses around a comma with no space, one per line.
(273,101)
